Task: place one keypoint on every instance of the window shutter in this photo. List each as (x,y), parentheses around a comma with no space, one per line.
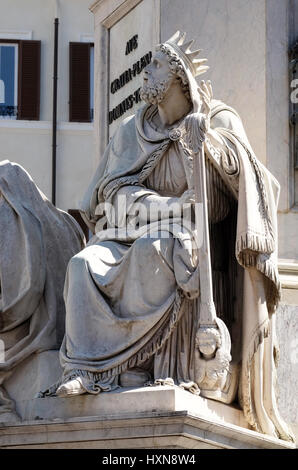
(29,80)
(79,82)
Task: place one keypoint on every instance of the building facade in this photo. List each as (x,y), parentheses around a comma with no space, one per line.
(27,38)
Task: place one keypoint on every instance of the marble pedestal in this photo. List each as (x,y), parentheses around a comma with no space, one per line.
(147,430)
(149,417)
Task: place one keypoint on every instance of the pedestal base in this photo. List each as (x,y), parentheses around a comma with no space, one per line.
(149,417)
(164,417)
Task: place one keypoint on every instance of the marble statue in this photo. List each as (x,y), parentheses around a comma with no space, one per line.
(36,243)
(133,311)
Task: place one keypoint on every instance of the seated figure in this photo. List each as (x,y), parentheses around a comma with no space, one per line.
(37,241)
(132,294)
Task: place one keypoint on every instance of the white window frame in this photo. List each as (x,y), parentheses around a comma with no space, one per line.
(15,35)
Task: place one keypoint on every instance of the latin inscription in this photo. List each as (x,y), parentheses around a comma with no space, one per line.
(126,77)
(131,44)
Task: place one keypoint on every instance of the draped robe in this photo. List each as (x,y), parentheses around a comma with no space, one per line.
(135,309)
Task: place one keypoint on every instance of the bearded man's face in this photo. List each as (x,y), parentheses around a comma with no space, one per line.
(157,79)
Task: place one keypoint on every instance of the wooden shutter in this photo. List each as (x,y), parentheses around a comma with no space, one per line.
(29,80)
(79,82)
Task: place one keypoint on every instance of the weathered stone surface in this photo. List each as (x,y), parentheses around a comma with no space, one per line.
(157,430)
(287,372)
(123,401)
(37,240)
(126,418)
(35,373)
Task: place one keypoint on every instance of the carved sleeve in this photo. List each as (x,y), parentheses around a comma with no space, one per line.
(223,155)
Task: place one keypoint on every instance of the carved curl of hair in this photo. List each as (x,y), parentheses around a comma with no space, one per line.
(176,68)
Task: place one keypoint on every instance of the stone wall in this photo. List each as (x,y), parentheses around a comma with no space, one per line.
(287,373)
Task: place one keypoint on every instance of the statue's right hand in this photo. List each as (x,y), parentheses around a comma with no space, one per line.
(188,197)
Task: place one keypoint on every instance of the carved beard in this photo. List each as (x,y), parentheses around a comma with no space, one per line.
(153,92)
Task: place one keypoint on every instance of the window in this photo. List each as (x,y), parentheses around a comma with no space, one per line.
(19,79)
(81,81)
(8,80)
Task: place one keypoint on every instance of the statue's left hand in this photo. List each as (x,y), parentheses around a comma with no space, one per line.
(206,94)
(198,124)
(188,197)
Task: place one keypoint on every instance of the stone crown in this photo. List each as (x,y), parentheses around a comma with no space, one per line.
(176,42)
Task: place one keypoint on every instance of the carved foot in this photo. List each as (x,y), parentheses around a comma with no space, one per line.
(71,388)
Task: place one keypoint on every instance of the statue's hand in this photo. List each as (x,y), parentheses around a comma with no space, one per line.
(188,197)
(154,207)
(198,124)
(206,94)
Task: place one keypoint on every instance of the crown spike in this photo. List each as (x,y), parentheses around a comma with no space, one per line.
(201,70)
(177,42)
(193,54)
(199,61)
(186,47)
(181,39)
(175,37)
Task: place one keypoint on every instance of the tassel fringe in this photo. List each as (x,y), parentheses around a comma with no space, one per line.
(257,243)
(259,258)
(261,184)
